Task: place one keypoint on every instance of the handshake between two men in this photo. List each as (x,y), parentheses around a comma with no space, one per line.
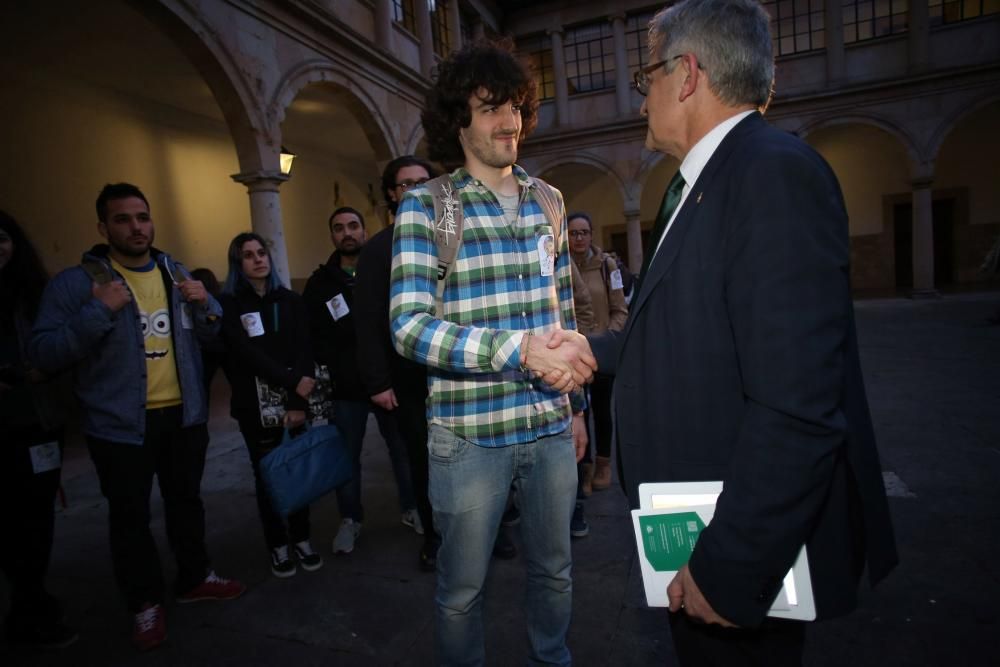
(560,358)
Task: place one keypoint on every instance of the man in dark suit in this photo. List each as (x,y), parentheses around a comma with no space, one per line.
(739,359)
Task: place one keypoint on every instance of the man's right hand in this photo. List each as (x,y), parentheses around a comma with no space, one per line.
(386,399)
(112,294)
(561,353)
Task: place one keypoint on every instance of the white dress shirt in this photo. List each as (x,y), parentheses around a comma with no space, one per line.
(695,161)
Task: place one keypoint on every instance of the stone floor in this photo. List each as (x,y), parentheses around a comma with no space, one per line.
(933,375)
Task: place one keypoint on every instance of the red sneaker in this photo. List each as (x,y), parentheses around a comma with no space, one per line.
(213,588)
(149,629)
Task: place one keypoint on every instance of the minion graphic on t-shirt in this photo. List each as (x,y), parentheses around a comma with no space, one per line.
(150,294)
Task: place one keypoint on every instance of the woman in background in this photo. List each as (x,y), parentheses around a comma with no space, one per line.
(31,420)
(266,335)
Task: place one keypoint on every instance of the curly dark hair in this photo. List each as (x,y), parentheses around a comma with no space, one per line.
(488,65)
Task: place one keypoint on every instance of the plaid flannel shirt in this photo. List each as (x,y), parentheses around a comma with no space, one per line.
(494,294)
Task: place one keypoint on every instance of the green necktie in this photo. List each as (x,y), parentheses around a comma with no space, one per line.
(670,201)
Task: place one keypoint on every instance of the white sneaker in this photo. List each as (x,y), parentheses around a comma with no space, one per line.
(349,531)
(412,519)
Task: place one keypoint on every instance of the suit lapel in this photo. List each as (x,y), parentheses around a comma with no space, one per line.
(688,215)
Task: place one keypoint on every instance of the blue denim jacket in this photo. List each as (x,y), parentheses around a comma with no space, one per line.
(106,350)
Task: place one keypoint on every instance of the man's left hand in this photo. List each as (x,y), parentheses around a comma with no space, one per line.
(580,440)
(193,291)
(684,595)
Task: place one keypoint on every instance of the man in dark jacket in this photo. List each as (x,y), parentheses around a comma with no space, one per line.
(129,321)
(395,384)
(330,301)
(739,361)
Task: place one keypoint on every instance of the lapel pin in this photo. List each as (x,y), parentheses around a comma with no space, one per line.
(698,201)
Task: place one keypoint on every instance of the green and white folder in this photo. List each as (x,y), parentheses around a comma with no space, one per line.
(670,517)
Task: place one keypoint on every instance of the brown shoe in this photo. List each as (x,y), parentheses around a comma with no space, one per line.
(602,474)
(587,478)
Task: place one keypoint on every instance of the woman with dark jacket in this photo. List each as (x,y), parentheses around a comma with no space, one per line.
(32,413)
(269,365)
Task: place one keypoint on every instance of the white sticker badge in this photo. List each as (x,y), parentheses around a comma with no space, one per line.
(616,279)
(547,254)
(187,321)
(337,307)
(45,457)
(252,324)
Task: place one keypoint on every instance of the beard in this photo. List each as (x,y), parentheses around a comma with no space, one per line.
(349,248)
(493,153)
(132,246)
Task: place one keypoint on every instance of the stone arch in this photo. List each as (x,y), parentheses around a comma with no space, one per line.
(945,128)
(357,101)
(556,161)
(194,37)
(413,142)
(646,167)
(920,165)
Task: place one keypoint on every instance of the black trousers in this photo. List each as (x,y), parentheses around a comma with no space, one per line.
(411,419)
(176,456)
(599,405)
(26,508)
(776,643)
(260,441)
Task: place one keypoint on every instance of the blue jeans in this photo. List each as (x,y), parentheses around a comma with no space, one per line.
(351,417)
(468,490)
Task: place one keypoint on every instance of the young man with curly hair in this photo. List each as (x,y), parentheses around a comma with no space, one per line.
(494,422)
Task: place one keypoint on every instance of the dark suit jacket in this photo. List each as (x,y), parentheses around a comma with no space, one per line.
(739,362)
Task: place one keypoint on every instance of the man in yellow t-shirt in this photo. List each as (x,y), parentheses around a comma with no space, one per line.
(150,294)
(129,321)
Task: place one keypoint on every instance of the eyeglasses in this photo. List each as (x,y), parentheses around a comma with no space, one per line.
(408,183)
(579,233)
(641,79)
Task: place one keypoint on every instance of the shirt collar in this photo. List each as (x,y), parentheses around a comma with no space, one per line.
(699,155)
(461,177)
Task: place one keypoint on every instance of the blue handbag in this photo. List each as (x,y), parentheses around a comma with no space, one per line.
(305,467)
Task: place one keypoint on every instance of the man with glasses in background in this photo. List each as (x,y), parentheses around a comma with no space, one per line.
(395,384)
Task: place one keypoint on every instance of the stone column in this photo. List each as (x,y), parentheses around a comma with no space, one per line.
(923,240)
(383,24)
(622,93)
(559,73)
(834,30)
(633,231)
(265,215)
(423,17)
(455,19)
(919,34)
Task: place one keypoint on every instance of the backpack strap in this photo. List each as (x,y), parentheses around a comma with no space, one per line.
(447,230)
(98,271)
(448,218)
(548,199)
